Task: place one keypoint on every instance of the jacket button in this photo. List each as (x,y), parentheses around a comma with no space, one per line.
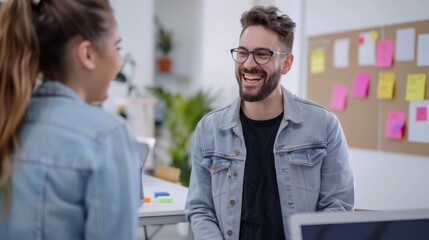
(235,173)
(214,166)
(237,152)
(232,202)
(229,232)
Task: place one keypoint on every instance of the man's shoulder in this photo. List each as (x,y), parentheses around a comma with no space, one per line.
(307,103)
(217,116)
(302,109)
(300,103)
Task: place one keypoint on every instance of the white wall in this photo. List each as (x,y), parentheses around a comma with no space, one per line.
(294,80)
(220,32)
(182,19)
(383,180)
(135,20)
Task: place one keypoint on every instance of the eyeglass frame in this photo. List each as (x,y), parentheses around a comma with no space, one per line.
(232,50)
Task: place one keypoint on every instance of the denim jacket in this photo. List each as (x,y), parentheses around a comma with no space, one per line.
(75,175)
(310,157)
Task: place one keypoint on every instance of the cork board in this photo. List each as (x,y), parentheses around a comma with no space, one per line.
(398,103)
(364,119)
(360,119)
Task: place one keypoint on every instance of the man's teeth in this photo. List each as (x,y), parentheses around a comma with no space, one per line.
(252,77)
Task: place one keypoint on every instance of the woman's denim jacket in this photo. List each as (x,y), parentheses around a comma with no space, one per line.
(75,175)
(311,162)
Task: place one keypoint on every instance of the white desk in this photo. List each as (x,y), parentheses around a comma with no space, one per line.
(162,213)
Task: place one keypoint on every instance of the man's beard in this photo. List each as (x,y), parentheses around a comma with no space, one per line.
(270,84)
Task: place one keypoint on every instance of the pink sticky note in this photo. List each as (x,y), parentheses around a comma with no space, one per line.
(395,125)
(361,84)
(361,40)
(339,97)
(384,53)
(422,114)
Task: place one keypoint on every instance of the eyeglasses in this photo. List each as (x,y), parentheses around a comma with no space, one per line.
(260,55)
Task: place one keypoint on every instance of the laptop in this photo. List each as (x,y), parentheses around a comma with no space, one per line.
(362,225)
(145,147)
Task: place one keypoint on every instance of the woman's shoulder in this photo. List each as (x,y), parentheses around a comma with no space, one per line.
(74,116)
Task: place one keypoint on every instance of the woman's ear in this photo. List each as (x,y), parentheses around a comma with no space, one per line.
(86,54)
(287,64)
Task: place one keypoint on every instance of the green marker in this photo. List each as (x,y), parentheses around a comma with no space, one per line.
(165,199)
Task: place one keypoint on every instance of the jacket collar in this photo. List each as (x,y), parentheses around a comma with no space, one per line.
(55,88)
(292,110)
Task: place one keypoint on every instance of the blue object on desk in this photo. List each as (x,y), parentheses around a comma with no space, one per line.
(158,194)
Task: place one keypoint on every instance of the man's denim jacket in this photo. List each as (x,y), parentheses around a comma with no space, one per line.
(75,175)
(311,162)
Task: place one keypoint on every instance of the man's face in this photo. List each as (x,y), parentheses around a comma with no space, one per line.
(256,81)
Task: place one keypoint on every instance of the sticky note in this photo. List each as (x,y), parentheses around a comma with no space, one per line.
(339,97)
(386,85)
(418,124)
(395,125)
(147,199)
(423,50)
(317,61)
(361,84)
(384,57)
(361,40)
(416,85)
(366,49)
(421,114)
(405,44)
(374,35)
(158,194)
(165,199)
(341,53)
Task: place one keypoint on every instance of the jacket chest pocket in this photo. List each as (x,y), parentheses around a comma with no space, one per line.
(305,167)
(219,169)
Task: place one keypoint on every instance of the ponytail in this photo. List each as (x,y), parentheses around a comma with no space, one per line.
(18,71)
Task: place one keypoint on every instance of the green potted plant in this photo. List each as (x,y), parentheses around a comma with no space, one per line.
(165,45)
(181,117)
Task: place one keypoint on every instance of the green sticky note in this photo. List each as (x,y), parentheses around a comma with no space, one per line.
(165,199)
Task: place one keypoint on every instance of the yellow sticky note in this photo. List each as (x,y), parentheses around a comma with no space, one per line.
(317,61)
(386,85)
(416,85)
(374,35)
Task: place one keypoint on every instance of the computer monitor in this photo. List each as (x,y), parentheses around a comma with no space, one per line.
(145,147)
(363,225)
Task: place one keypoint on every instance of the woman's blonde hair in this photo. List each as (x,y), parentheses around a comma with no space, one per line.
(18,70)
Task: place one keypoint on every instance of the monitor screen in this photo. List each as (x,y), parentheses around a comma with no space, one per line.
(375,225)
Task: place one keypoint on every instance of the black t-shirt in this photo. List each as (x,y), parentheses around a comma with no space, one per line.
(261,216)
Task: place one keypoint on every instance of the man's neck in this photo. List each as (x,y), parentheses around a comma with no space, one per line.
(269,108)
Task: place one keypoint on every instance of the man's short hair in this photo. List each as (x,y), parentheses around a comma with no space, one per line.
(271,18)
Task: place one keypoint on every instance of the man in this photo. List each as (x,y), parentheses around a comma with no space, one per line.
(269,154)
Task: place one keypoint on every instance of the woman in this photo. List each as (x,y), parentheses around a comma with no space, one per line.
(68,170)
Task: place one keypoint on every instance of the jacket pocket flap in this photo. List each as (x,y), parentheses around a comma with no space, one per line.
(307,157)
(215,164)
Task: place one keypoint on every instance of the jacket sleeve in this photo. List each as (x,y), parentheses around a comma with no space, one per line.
(337,184)
(112,196)
(199,210)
